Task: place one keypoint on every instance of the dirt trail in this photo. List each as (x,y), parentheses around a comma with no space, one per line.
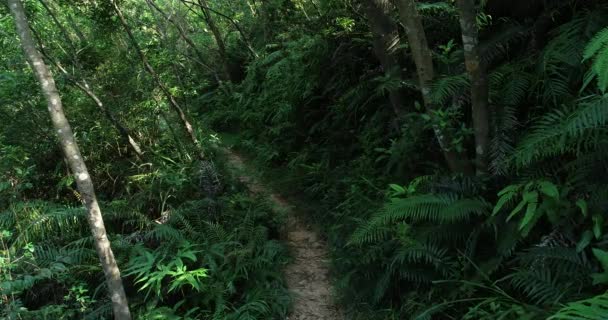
(308,275)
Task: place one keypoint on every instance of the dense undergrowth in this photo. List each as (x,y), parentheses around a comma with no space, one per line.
(204,257)
(191,241)
(410,240)
(298,87)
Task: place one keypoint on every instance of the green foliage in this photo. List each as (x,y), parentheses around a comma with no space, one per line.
(597,49)
(308,100)
(151,271)
(594,308)
(564,131)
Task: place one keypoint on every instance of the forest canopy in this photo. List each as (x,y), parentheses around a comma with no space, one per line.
(303,159)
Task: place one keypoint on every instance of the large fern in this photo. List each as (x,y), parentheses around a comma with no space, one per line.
(437,208)
(595,308)
(564,131)
(598,49)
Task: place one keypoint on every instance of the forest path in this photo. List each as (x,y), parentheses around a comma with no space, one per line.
(308,275)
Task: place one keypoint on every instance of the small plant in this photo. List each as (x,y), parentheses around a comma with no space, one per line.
(79,298)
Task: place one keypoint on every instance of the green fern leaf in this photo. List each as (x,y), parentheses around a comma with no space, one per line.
(595,308)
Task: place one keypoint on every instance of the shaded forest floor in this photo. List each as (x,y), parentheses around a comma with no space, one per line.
(308,274)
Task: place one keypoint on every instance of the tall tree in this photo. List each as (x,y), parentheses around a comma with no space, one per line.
(386,40)
(423,59)
(77,165)
(172,101)
(232,21)
(199,57)
(479,82)
(180,29)
(217,35)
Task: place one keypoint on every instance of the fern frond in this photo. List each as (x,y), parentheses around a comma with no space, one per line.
(598,49)
(441,209)
(502,144)
(370,233)
(447,87)
(433,208)
(562,261)
(595,308)
(539,285)
(422,253)
(563,131)
(163,232)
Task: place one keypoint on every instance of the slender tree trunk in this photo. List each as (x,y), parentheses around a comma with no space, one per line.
(172,102)
(76,29)
(64,31)
(84,86)
(72,154)
(479,82)
(200,58)
(124,132)
(386,40)
(181,31)
(252,8)
(232,21)
(423,60)
(221,46)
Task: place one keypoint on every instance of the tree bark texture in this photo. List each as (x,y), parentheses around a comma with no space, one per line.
(221,46)
(76,163)
(479,82)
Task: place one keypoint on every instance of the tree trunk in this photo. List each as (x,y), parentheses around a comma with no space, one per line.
(181,31)
(479,82)
(76,29)
(252,8)
(172,102)
(221,46)
(423,60)
(63,31)
(72,154)
(386,40)
(232,21)
(124,132)
(199,59)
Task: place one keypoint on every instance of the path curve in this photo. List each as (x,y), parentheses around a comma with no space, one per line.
(308,275)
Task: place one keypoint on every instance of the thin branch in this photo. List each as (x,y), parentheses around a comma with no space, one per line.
(231,20)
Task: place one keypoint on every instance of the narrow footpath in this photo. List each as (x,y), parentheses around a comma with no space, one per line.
(308,275)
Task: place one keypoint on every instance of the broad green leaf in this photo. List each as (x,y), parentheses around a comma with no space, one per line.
(584,241)
(582,204)
(602,257)
(517,209)
(397,188)
(598,223)
(549,189)
(599,278)
(509,189)
(504,199)
(532,199)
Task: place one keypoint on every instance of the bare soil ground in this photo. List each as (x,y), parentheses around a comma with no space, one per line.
(308,275)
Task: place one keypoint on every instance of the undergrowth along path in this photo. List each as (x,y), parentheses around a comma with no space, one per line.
(308,275)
